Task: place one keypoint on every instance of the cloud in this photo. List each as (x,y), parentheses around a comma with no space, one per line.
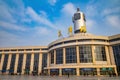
(8,39)
(42,30)
(90,23)
(5,13)
(39,18)
(11,26)
(43,13)
(110,11)
(113,20)
(68,9)
(52,2)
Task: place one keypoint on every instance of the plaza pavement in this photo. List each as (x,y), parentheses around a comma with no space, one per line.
(30,77)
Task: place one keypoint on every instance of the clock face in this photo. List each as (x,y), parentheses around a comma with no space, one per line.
(77,16)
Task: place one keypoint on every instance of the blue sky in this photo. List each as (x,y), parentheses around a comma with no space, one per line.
(36,22)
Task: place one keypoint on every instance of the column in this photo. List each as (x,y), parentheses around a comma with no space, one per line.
(16,63)
(48,71)
(54,57)
(2,60)
(9,61)
(107,55)
(40,63)
(93,54)
(112,59)
(60,72)
(32,63)
(78,71)
(98,71)
(77,51)
(64,56)
(115,71)
(48,59)
(24,63)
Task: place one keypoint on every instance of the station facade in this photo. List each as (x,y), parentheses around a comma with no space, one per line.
(78,54)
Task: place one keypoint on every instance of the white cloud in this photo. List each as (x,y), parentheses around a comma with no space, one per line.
(90,23)
(109,11)
(5,13)
(52,2)
(113,20)
(91,10)
(43,13)
(68,9)
(39,18)
(8,39)
(11,26)
(42,30)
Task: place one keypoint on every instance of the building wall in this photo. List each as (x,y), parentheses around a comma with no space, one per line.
(22,59)
(115,43)
(81,51)
(75,55)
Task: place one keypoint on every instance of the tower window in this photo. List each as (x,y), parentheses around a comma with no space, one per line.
(77,16)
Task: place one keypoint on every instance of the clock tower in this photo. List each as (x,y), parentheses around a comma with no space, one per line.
(79,22)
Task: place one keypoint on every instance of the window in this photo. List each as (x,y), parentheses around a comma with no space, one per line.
(100,53)
(37,49)
(20,49)
(85,53)
(54,71)
(13,50)
(77,16)
(0,50)
(5,63)
(6,50)
(100,40)
(116,51)
(20,61)
(36,62)
(58,44)
(28,49)
(12,64)
(71,41)
(71,55)
(71,71)
(52,56)
(59,56)
(44,60)
(44,49)
(28,60)
(115,39)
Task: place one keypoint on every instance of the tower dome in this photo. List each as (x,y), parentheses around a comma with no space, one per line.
(79,22)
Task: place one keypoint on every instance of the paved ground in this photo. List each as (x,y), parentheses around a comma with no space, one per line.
(30,77)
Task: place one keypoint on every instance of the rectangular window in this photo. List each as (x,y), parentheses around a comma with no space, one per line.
(13,50)
(71,55)
(85,53)
(28,49)
(100,53)
(52,56)
(20,49)
(20,62)
(5,63)
(59,56)
(37,49)
(6,50)
(28,60)
(36,62)
(12,64)
(116,51)
(44,60)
